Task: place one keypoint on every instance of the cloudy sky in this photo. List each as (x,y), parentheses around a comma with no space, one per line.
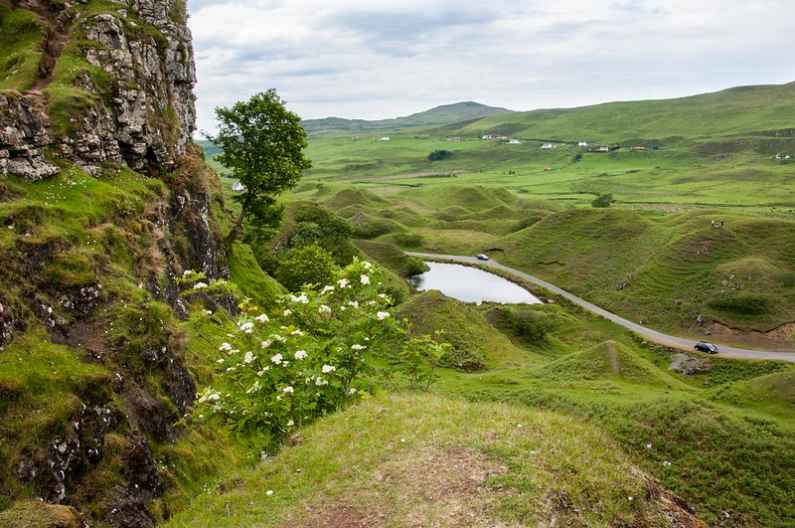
(378,58)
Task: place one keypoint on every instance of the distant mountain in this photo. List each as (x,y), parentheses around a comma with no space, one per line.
(746,110)
(440,116)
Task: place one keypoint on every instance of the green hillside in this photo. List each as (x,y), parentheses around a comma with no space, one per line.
(750,110)
(438,116)
(493,465)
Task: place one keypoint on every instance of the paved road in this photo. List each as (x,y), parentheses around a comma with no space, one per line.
(652,335)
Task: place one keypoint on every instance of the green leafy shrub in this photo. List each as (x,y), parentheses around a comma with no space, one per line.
(415,266)
(305,265)
(440,155)
(603,200)
(529,326)
(417,359)
(458,355)
(308,357)
(408,239)
(318,226)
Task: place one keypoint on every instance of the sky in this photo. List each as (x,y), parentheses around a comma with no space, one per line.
(378,59)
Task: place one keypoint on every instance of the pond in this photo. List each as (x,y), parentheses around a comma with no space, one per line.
(472,285)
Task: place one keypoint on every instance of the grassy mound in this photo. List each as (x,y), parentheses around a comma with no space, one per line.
(494,465)
(348,197)
(667,270)
(475,343)
(392,258)
(367,226)
(775,391)
(607,361)
(469,198)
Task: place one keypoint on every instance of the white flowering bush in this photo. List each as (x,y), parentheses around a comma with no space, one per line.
(306,357)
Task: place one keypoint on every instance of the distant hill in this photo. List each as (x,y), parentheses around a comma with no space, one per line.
(458,113)
(749,110)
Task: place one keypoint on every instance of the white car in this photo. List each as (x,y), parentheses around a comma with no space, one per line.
(483,257)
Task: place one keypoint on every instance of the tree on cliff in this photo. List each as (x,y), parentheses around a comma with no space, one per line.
(263,145)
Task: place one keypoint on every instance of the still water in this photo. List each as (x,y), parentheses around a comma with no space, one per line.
(472,285)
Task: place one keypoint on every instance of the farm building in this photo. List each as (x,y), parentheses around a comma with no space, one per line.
(599,148)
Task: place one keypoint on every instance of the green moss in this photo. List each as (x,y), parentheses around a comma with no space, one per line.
(71,269)
(37,514)
(250,279)
(21,37)
(42,386)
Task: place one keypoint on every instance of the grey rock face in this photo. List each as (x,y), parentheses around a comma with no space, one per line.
(689,365)
(23,133)
(143,117)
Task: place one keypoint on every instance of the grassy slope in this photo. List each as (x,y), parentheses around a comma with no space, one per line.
(733,111)
(97,230)
(348,469)
(721,439)
(21,36)
(676,266)
(673,266)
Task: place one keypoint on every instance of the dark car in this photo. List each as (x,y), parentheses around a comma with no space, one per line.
(708,348)
(483,257)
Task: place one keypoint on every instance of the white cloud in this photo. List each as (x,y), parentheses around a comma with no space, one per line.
(380,59)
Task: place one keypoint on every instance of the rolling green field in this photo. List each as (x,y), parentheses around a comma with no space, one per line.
(654,256)
(699,242)
(722,439)
(726,173)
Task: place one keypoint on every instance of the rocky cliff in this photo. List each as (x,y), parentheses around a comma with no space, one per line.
(104,205)
(114,84)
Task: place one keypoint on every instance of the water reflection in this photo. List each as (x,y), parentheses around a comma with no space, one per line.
(472,285)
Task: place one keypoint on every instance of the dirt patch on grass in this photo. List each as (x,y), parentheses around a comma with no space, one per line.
(429,488)
(779,338)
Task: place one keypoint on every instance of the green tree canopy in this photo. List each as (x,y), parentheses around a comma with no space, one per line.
(603,200)
(305,265)
(263,145)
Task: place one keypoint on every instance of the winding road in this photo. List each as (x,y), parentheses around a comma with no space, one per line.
(647,333)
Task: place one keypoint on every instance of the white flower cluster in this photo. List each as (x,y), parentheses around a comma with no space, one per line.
(299,299)
(210,395)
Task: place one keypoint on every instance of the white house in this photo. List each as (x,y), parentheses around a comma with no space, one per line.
(582,144)
(548,146)
(514,142)
(385,138)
